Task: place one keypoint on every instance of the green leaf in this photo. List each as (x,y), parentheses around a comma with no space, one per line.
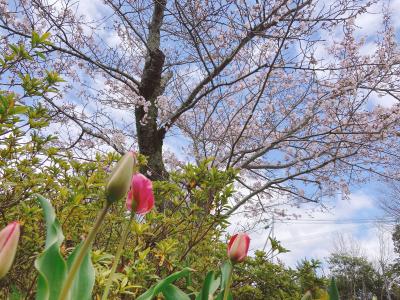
(210,285)
(35,39)
(41,55)
(44,37)
(15,294)
(19,109)
(221,296)
(14,48)
(276,246)
(84,279)
(171,292)
(161,285)
(333,290)
(50,263)
(226,271)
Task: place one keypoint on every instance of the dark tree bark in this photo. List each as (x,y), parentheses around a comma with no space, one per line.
(150,138)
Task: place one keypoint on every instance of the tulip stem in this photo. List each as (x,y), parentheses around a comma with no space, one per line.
(117,257)
(228,284)
(82,252)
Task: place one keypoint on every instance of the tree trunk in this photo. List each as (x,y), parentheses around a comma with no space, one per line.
(150,141)
(150,138)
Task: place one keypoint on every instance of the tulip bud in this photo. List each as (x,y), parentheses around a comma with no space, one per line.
(120,178)
(9,237)
(140,197)
(238,247)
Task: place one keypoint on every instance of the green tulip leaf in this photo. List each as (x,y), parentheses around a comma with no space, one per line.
(160,286)
(171,292)
(210,285)
(221,296)
(52,266)
(84,279)
(50,263)
(333,290)
(226,271)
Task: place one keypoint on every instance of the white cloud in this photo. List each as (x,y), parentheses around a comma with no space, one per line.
(313,237)
(370,21)
(386,101)
(91,9)
(394,7)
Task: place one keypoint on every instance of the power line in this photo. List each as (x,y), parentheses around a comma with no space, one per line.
(313,236)
(336,221)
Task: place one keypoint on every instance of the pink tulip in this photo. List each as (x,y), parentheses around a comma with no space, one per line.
(238,247)
(140,197)
(9,237)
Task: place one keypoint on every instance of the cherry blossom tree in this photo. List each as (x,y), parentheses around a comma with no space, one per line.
(285,91)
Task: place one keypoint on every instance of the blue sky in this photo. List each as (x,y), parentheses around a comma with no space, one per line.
(306,237)
(313,235)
